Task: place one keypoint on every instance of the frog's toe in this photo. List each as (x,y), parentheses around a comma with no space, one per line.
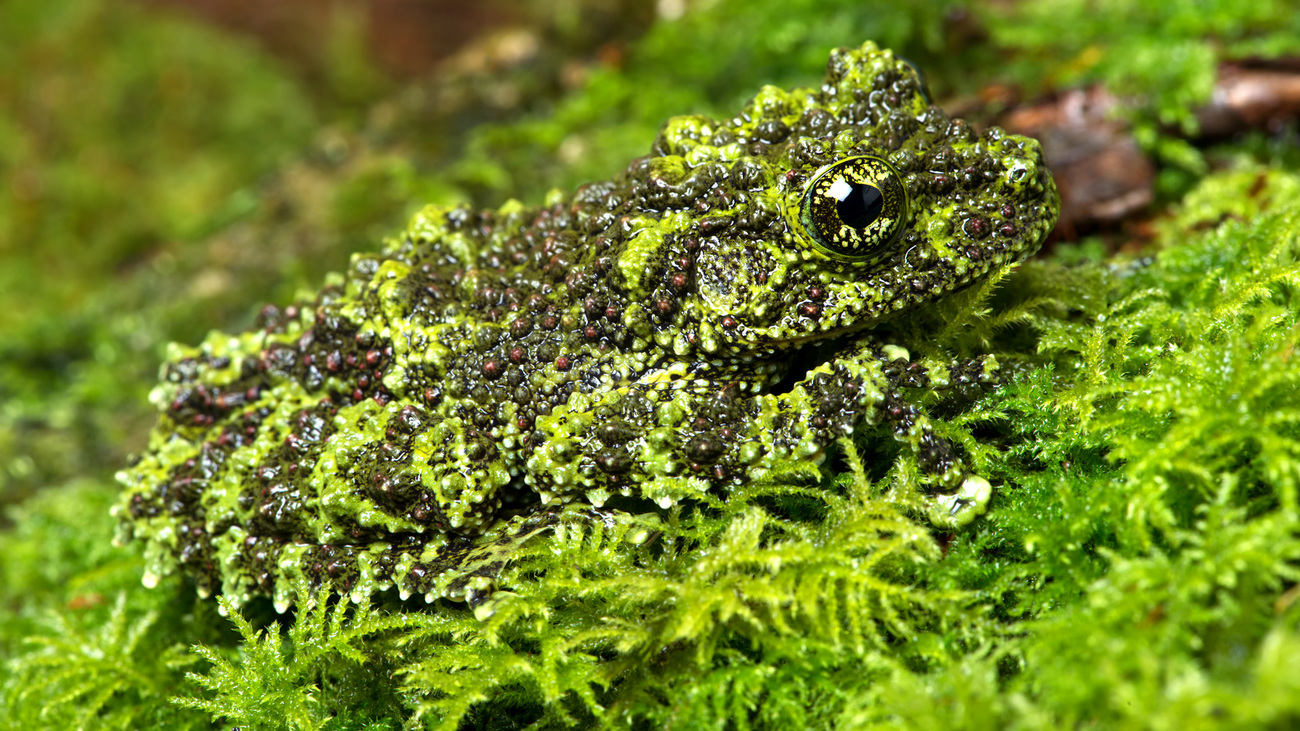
(960,508)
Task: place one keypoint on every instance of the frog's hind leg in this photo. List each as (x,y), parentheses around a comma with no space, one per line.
(402,496)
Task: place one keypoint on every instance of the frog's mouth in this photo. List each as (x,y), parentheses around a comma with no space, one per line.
(814,352)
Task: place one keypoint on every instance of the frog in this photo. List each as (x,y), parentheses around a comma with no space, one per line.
(702,319)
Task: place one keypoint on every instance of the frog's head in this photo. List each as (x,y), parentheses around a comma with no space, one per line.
(818,212)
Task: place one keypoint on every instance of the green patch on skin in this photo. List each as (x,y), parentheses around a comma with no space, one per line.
(645,251)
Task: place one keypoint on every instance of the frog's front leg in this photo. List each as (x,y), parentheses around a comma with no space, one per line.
(867,386)
(958,495)
(673,436)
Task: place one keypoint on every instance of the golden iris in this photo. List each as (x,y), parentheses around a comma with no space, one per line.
(855,207)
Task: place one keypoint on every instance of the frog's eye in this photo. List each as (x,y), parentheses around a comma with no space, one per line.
(855,207)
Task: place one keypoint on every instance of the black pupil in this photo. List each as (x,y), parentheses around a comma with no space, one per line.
(861,206)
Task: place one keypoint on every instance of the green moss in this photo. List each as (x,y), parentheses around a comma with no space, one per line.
(85,648)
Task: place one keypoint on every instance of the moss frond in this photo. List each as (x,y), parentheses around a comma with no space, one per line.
(295,680)
(74,676)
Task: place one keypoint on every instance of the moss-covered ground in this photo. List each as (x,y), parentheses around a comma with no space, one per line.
(1140,563)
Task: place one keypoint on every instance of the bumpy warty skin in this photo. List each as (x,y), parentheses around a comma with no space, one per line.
(448,392)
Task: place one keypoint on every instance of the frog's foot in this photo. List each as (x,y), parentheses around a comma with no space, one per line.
(960,508)
(957,495)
